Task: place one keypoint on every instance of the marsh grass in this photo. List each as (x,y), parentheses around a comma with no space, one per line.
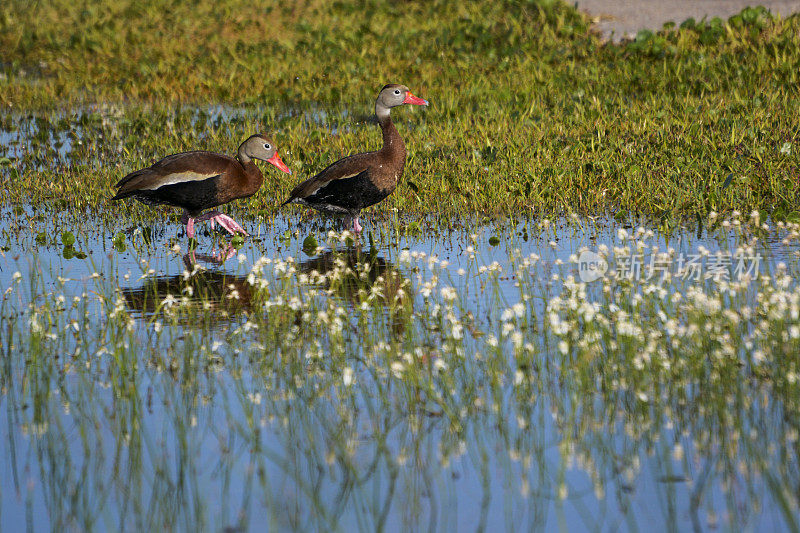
(530,111)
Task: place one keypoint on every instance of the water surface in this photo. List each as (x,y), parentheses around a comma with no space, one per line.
(429,377)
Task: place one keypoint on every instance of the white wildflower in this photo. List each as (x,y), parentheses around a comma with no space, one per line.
(449,294)
(347,376)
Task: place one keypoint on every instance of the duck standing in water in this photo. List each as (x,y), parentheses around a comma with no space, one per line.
(358,181)
(196,181)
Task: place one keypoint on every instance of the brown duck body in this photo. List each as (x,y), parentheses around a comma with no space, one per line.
(194,181)
(358,181)
(199,180)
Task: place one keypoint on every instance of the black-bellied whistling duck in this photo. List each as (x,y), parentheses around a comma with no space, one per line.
(358,181)
(196,181)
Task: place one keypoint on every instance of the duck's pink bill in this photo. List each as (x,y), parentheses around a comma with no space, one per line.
(276,160)
(415,100)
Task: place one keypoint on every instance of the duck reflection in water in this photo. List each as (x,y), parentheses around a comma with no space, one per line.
(219,294)
(354,276)
(360,278)
(217,258)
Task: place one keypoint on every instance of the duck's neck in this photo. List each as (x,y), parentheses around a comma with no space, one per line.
(243,157)
(254,177)
(392,142)
(248,164)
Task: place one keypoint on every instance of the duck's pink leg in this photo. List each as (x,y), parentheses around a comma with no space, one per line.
(189,221)
(354,221)
(223,220)
(189,260)
(221,257)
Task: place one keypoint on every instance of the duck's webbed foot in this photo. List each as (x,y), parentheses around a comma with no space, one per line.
(230,225)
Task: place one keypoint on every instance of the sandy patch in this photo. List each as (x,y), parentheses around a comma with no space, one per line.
(618,19)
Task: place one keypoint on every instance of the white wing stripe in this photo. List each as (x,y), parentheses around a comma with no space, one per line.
(179,177)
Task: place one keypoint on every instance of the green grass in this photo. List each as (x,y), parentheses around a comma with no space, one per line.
(530,111)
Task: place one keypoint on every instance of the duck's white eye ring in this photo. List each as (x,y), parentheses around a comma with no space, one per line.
(397,91)
(267,146)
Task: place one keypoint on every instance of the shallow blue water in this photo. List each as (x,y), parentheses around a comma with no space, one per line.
(229,447)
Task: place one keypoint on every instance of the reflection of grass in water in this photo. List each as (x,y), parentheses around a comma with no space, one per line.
(353,275)
(362,280)
(613,391)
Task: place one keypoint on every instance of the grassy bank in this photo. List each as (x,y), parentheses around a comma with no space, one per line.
(531,112)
